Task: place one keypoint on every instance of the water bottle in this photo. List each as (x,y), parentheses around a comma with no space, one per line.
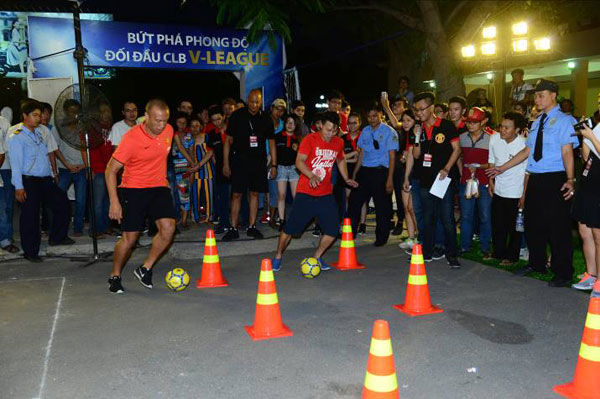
(520,227)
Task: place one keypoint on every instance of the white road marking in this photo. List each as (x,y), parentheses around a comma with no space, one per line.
(49,346)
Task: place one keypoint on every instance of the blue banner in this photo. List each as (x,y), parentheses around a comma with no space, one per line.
(137,45)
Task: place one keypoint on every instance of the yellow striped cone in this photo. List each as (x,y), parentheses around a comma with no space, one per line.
(267,317)
(380,380)
(586,383)
(211,266)
(417,301)
(347,257)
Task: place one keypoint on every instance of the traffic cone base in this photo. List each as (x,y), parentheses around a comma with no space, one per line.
(211,276)
(347,257)
(417,301)
(283,332)
(402,308)
(267,316)
(586,382)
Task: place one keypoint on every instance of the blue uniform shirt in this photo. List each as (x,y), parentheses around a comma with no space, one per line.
(388,141)
(558,131)
(28,155)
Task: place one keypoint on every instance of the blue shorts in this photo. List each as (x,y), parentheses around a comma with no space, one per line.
(287,173)
(306,207)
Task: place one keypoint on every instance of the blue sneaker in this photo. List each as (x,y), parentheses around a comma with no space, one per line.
(324,266)
(276,264)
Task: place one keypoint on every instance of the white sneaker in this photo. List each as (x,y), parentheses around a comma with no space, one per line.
(524,254)
(586,283)
(407,244)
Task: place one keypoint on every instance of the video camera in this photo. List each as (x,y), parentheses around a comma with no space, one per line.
(589,122)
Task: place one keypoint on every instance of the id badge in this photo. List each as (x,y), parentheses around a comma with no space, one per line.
(588,165)
(427,158)
(253,141)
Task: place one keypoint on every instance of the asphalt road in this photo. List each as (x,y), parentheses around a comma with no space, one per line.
(63,335)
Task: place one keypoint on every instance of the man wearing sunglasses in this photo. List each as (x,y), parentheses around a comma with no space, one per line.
(437,153)
(374,172)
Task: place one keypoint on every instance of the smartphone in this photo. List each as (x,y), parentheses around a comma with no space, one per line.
(384,94)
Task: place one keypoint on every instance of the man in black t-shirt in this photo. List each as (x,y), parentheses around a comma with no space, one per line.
(245,160)
(436,153)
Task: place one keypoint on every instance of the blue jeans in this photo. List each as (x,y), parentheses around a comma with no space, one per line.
(65,178)
(435,209)
(418,207)
(273,193)
(467,219)
(7,199)
(222,196)
(101,203)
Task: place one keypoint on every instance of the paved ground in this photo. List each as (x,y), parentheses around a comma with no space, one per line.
(62,335)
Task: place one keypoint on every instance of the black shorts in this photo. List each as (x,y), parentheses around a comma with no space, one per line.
(139,203)
(248,176)
(306,207)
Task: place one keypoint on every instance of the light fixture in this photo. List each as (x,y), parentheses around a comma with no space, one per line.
(542,44)
(520,28)
(488,48)
(468,51)
(489,32)
(571,64)
(322,97)
(489,76)
(520,45)
(432,84)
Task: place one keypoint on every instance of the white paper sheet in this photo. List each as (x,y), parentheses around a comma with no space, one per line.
(440,187)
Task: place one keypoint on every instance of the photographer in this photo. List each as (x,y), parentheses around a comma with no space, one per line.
(550,187)
(586,209)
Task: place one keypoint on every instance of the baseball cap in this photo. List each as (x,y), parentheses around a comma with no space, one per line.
(476,114)
(279,102)
(545,84)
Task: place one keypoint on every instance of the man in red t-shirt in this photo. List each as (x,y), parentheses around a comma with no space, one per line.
(316,155)
(143,192)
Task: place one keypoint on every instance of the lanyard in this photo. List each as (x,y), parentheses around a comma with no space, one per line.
(289,139)
(353,142)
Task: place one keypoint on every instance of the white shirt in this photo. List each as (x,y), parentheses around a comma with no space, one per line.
(510,183)
(117,131)
(518,92)
(4,127)
(589,143)
(72,155)
(48,138)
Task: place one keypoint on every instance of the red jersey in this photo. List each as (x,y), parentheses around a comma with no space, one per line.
(321,157)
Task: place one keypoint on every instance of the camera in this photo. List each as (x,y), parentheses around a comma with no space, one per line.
(589,122)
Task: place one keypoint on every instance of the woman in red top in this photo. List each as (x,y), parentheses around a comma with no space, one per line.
(99,157)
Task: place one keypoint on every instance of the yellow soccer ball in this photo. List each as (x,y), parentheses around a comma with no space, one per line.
(177,279)
(310,267)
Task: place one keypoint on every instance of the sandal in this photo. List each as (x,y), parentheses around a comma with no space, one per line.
(11,248)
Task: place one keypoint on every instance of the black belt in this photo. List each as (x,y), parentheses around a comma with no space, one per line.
(36,178)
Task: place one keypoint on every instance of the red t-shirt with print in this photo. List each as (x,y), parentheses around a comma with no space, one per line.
(321,157)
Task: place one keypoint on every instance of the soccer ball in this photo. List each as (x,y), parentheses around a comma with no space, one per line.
(177,279)
(310,267)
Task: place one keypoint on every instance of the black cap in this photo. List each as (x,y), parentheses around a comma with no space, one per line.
(544,84)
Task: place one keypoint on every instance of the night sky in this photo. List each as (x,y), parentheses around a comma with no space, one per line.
(318,49)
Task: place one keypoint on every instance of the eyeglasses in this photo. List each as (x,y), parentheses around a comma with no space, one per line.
(472,122)
(418,110)
(352,123)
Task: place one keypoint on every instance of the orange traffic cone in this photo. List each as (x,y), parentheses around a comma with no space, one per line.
(380,380)
(417,302)
(347,258)
(586,383)
(211,266)
(267,316)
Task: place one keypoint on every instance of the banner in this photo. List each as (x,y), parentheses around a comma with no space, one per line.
(137,45)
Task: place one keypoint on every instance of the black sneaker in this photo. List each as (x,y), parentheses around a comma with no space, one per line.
(316,232)
(115,286)
(232,234)
(438,254)
(398,229)
(362,229)
(453,263)
(144,275)
(253,232)
(220,230)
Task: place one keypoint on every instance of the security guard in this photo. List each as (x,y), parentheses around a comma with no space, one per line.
(550,163)
(32,178)
(374,171)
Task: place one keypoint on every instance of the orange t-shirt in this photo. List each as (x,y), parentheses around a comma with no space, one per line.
(144,157)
